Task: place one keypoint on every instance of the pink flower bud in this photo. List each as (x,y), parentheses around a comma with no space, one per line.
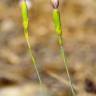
(55,3)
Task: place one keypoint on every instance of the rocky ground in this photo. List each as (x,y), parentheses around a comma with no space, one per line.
(17,74)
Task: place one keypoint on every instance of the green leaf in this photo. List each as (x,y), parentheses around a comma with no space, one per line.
(57,22)
(24,14)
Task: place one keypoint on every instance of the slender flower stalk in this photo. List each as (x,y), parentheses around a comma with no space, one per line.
(25,20)
(58,28)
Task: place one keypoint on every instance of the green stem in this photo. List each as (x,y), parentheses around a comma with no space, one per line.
(58,28)
(25,20)
(62,52)
(33,58)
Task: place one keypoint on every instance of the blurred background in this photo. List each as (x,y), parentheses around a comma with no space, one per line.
(17,74)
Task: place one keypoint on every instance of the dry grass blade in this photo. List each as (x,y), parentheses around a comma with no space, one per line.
(60,79)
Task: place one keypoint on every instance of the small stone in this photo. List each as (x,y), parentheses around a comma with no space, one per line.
(25,90)
(7,25)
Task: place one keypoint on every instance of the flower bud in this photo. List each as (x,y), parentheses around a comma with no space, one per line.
(28,2)
(55,3)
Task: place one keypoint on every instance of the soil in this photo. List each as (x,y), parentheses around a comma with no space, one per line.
(17,74)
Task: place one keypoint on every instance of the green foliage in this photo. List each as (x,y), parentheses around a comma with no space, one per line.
(57,23)
(58,28)
(25,21)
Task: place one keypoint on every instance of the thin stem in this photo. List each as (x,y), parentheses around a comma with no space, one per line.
(33,59)
(58,28)
(25,19)
(62,52)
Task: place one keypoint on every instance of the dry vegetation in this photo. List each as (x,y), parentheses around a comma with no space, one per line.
(17,74)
